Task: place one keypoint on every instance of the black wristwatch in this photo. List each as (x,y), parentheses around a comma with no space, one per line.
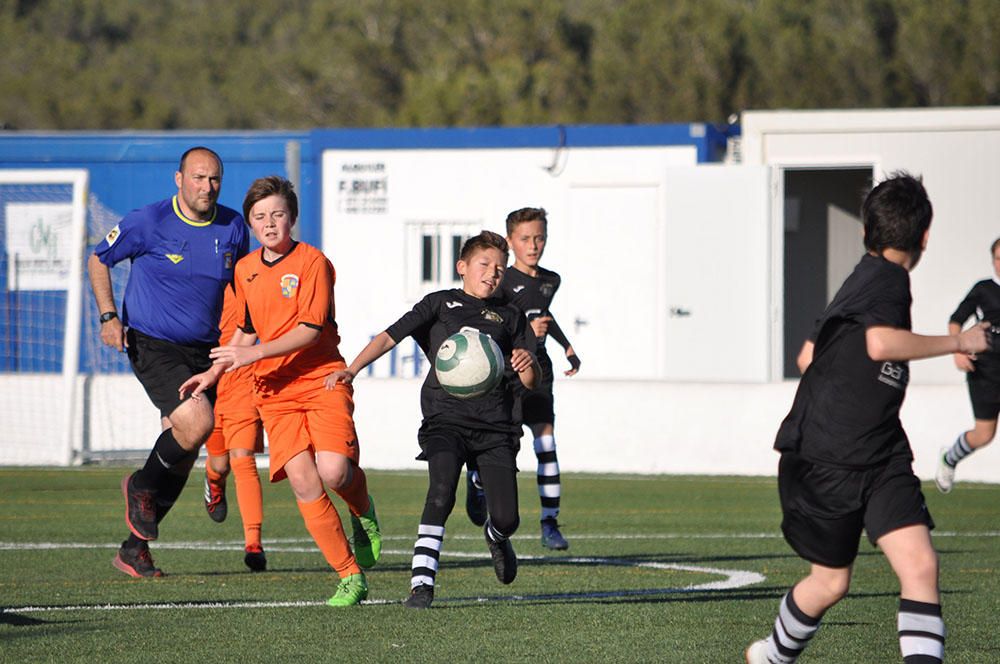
(108,315)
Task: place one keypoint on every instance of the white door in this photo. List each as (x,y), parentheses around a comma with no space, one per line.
(717,309)
(608,251)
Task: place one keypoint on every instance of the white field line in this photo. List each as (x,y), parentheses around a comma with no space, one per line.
(281,544)
(732,579)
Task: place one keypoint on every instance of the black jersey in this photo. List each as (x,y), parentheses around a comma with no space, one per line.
(533,296)
(983,302)
(846,409)
(443,313)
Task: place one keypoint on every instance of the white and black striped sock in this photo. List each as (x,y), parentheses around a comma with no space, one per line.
(921,632)
(792,631)
(549,486)
(426,554)
(958,451)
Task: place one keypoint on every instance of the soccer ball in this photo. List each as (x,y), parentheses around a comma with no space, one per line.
(469,364)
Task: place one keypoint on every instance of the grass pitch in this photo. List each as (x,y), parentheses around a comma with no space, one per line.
(675,569)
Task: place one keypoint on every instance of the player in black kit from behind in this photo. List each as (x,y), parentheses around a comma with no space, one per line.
(478,431)
(982,375)
(845,459)
(531,288)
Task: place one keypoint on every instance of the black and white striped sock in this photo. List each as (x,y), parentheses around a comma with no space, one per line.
(958,451)
(549,486)
(792,631)
(426,554)
(921,632)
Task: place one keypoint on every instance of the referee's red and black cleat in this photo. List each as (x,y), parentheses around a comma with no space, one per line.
(136,562)
(140,509)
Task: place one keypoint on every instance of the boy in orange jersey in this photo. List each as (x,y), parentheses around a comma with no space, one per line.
(237,436)
(285,291)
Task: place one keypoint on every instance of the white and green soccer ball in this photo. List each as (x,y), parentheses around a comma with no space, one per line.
(469,364)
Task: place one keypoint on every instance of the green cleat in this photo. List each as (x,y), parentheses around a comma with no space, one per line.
(367,537)
(352,590)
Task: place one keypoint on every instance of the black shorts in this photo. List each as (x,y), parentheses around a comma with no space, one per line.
(163,366)
(536,406)
(825,508)
(476,447)
(984,393)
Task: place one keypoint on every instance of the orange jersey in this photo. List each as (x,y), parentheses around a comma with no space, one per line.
(274,298)
(235,386)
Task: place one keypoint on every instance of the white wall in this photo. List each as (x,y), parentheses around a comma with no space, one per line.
(957,151)
(602,426)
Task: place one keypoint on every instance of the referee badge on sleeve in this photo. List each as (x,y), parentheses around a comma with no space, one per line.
(112,235)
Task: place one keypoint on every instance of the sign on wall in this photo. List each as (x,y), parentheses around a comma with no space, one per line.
(38,245)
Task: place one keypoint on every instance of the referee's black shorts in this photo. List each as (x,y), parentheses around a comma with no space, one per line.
(163,366)
(826,508)
(984,393)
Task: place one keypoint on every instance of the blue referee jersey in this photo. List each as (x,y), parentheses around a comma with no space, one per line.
(180,268)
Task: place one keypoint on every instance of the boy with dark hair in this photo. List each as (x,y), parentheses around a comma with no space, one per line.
(531,288)
(982,373)
(845,459)
(478,431)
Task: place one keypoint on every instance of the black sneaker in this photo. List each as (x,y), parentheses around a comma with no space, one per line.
(551,537)
(140,509)
(215,501)
(420,597)
(475,500)
(255,559)
(137,562)
(504,558)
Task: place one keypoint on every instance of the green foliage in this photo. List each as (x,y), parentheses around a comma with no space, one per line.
(115,64)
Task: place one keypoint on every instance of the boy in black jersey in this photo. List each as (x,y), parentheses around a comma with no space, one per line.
(479,431)
(982,375)
(531,289)
(845,459)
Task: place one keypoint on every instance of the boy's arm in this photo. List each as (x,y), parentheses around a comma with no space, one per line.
(805,356)
(962,361)
(376,348)
(895,344)
(237,355)
(556,333)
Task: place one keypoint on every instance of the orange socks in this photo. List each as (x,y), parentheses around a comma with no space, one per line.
(249,497)
(323,523)
(355,494)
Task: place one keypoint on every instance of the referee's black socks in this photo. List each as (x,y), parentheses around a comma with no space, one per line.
(166,454)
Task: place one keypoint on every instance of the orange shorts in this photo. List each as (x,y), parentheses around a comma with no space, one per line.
(308,417)
(237,422)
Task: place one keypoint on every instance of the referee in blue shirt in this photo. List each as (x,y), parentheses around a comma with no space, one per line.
(182,250)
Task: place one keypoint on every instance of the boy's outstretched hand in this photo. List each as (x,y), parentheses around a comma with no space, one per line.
(976,339)
(343,376)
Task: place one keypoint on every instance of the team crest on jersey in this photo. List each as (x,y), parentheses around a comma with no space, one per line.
(492,316)
(227,260)
(174,258)
(546,289)
(112,235)
(289,285)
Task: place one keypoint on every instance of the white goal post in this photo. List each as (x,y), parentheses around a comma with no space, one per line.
(44,217)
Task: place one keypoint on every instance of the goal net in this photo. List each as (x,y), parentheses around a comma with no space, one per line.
(64,398)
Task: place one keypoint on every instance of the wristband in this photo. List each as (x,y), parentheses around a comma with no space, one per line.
(108,315)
